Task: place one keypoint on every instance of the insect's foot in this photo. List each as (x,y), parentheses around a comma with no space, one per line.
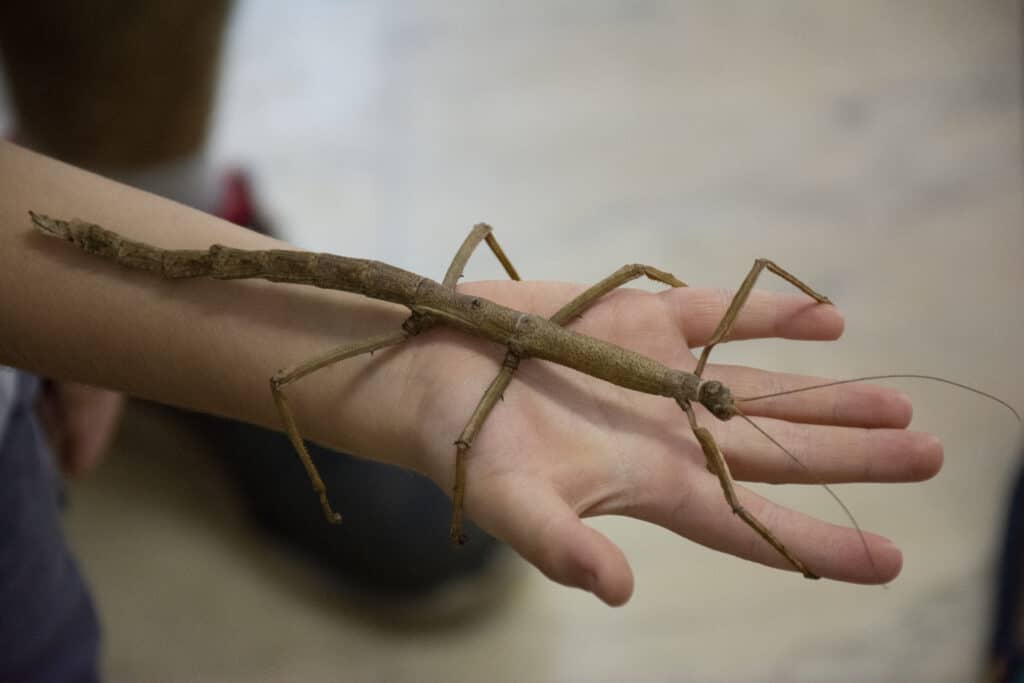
(458,537)
(330,515)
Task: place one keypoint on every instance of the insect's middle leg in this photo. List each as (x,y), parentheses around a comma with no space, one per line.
(480,232)
(497,387)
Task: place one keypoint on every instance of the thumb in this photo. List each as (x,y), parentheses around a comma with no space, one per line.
(540,526)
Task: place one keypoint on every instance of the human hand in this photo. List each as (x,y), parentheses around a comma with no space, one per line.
(562,446)
(80,421)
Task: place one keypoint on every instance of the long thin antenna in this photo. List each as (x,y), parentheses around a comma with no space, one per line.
(835,496)
(897,376)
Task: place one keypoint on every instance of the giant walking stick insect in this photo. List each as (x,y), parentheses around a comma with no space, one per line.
(523,335)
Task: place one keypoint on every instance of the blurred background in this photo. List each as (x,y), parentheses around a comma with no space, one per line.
(872,148)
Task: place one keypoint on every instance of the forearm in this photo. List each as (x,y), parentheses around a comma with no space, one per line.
(201,344)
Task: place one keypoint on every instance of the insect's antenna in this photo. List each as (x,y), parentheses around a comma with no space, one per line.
(835,496)
(979,392)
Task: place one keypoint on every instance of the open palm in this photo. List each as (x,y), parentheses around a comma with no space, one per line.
(562,446)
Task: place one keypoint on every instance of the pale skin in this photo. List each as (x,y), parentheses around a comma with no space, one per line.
(560,447)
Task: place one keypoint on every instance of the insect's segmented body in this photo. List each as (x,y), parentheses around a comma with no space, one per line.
(526,334)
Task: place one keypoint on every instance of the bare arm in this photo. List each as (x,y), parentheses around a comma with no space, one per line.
(205,345)
(561,446)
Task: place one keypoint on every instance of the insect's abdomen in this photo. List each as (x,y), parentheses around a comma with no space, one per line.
(99,241)
(362,276)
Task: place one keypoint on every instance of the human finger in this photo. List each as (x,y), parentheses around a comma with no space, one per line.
(91,416)
(815,453)
(765,314)
(857,404)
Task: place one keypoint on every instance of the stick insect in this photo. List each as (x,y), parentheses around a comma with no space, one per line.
(523,335)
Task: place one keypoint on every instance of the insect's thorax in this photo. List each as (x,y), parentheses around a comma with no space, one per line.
(534,336)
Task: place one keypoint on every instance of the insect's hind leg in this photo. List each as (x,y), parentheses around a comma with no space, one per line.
(297,372)
(497,387)
(740,298)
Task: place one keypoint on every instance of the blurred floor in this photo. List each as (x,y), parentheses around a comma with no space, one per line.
(873,148)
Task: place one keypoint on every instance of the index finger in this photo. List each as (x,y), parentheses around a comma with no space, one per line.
(766,314)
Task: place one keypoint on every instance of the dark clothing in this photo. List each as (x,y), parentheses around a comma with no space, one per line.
(48,627)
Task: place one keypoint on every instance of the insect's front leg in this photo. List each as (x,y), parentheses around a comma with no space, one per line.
(720,468)
(740,298)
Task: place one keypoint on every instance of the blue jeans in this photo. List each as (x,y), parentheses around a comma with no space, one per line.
(48,626)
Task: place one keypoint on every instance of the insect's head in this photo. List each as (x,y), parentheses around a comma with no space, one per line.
(717,398)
